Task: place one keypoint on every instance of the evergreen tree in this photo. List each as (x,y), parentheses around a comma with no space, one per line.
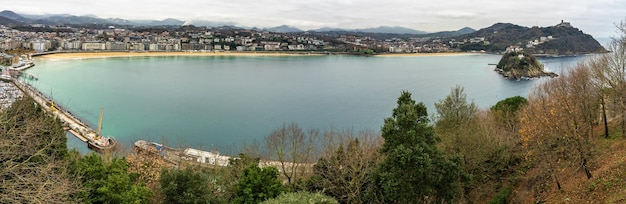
(257,184)
(185,186)
(413,170)
(108,181)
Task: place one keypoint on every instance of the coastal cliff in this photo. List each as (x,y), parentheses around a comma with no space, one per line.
(518,65)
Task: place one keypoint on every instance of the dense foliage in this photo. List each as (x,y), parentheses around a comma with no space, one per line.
(512,60)
(186,186)
(518,65)
(344,171)
(301,197)
(258,184)
(108,181)
(413,168)
(510,105)
(566,40)
(33,156)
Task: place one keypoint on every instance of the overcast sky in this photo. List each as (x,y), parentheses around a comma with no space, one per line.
(597,17)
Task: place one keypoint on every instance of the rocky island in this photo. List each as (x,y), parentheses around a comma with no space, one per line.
(520,65)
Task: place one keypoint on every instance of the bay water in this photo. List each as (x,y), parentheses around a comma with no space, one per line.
(221,102)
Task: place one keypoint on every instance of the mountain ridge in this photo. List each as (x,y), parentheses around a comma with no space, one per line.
(55,19)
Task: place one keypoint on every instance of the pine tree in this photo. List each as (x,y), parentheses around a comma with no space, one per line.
(413,170)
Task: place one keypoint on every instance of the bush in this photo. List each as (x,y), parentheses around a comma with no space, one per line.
(501,197)
(301,197)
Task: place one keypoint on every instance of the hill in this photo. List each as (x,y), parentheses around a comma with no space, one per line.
(283,29)
(388,29)
(12,15)
(561,39)
(8,21)
(380,29)
(448,34)
(607,185)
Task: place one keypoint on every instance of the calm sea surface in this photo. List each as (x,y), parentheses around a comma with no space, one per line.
(220,102)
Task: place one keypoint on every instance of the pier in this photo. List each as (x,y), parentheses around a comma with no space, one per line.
(71,123)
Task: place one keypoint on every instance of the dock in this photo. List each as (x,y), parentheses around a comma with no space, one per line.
(70,122)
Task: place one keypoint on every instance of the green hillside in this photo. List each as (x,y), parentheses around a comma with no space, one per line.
(561,39)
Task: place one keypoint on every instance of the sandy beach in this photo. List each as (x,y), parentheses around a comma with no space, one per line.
(89,55)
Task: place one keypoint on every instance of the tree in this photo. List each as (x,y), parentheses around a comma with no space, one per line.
(505,112)
(185,186)
(293,149)
(108,181)
(344,168)
(557,124)
(413,170)
(257,184)
(469,133)
(609,71)
(455,119)
(33,156)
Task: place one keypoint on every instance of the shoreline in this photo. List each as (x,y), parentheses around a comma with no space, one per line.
(94,55)
(435,54)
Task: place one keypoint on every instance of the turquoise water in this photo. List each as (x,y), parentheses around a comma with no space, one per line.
(220,102)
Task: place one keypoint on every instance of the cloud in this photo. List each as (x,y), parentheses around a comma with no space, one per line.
(596,17)
(456,14)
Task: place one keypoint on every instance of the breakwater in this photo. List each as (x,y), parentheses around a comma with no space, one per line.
(71,123)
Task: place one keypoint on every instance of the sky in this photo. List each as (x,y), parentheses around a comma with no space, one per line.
(597,17)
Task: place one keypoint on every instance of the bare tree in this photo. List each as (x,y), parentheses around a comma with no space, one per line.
(346,161)
(557,124)
(609,71)
(33,157)
(292,151)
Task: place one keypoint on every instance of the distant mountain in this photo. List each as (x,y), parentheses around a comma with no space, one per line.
(36,17)
(565,39)
(381,29)
(208,23)
(168,21)
(327,29)
(13,16)
(120,21)
(56,19)
(283,29)
(388,29)
(76,20)
(444,34)
(8,21)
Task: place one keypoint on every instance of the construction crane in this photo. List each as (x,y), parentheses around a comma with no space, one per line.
(100,119)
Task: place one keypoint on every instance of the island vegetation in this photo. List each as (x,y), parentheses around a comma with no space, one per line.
(518,65)
(563,144)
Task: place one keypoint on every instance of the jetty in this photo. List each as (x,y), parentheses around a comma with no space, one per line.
(71,123)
